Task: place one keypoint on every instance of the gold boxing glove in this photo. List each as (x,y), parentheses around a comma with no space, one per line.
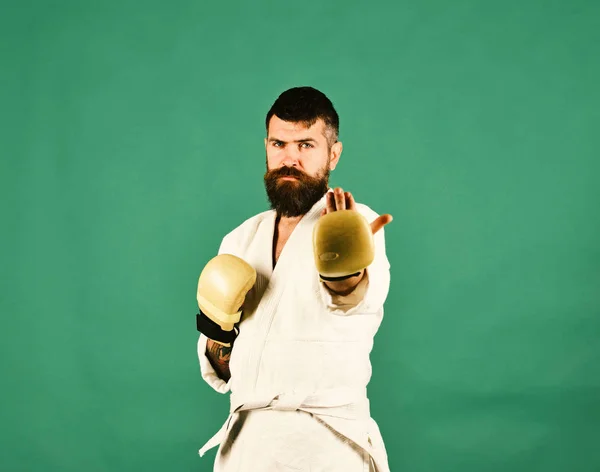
(343,244)
(222,288)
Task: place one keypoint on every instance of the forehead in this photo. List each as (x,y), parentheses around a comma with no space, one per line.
(287,130)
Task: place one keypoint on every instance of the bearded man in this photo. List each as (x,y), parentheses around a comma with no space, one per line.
(289,308)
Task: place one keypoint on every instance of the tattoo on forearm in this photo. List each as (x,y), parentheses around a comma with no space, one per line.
(219,356)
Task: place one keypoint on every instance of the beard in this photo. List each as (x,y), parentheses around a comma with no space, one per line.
(292,198)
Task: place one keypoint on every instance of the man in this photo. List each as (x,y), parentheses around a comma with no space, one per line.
(281,329)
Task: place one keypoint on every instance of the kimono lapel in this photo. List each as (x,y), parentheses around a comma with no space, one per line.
(276,284)
(286,257)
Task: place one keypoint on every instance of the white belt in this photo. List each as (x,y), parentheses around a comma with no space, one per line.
(339,403)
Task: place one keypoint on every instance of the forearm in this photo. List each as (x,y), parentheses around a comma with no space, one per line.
(345,287)
(219,356)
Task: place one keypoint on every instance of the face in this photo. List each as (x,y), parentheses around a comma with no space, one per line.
(299,160)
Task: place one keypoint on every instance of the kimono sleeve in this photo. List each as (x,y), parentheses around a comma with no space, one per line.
(209,374)
(370,294)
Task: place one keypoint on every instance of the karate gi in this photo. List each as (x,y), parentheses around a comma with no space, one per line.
(300,365)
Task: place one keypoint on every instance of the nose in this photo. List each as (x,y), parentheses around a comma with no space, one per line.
(291,157)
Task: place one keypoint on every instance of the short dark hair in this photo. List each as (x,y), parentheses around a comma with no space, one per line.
(306,105)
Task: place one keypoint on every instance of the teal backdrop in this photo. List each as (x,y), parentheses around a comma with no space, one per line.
(132,142)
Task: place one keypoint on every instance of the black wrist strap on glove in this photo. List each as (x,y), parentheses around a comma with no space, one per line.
(337,279)
(213,331)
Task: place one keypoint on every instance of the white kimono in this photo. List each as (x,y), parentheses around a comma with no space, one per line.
(300,365)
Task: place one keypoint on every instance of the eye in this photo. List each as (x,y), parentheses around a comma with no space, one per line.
(277,143)
(308,145)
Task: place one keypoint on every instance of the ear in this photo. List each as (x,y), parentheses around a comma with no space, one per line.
(265,143)
(336,152)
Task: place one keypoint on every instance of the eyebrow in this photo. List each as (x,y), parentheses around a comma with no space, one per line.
(304,140)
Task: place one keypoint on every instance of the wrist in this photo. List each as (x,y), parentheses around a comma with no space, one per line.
(345,286)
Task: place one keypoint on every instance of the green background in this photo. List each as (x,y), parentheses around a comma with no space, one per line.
(132,141)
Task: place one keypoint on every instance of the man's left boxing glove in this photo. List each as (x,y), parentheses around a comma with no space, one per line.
(343,245)
(222,288)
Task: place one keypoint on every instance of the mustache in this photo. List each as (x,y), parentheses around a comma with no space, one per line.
(287,172)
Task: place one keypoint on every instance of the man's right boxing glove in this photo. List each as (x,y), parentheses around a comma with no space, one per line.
(222,288)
